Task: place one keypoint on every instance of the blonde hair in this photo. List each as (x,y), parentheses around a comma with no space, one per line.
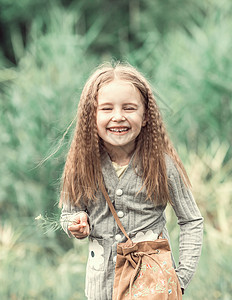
(82,174)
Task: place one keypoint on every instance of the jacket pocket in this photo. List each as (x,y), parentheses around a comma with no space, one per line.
(96,259)
(144,235)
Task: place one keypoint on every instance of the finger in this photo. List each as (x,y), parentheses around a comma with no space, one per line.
(86,230)
(84,219)
(79,235)
(75,232)
(81,231)
(74,227)
(76,220)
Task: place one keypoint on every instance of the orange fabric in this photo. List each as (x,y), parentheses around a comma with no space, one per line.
(144,271)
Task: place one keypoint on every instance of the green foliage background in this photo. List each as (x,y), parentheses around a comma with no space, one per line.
(48,50)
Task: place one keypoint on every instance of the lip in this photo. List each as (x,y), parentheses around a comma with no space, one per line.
(118,129)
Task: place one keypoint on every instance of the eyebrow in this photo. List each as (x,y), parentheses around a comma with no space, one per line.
(124,104)
(105,103)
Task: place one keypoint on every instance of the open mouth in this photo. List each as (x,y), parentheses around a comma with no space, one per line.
(118,129)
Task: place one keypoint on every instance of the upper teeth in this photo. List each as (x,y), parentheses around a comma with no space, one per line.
(118,129)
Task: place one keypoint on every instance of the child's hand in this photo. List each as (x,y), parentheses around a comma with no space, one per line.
(80,226)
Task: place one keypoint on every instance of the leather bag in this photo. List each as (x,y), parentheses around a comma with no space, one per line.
(143,270)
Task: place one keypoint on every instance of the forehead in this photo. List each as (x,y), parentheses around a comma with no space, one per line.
(119,90)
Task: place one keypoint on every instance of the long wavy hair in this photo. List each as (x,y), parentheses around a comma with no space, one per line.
(82,174)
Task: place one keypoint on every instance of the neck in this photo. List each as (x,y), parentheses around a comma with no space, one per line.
(119,155)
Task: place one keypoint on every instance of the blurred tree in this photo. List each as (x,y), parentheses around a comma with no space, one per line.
(38,101)
(48,49)
(15,20)
(119,26)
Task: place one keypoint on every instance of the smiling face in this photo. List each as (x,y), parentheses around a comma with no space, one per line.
(120,115)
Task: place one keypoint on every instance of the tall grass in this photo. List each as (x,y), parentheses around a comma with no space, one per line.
(38,101)
(211,179)
(36,267)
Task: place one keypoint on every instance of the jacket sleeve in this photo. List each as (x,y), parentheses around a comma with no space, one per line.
(68,214)
(191,226)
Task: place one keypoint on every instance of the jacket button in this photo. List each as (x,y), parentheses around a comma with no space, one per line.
(118,237)
(119,192)
(120,214)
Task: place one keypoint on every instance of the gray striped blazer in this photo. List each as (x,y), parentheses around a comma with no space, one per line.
(142,221)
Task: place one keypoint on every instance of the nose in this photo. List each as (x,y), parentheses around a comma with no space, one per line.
(118,116)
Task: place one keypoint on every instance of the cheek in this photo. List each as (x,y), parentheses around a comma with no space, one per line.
(101,121)
(98,118)
(136,120)
(98,122)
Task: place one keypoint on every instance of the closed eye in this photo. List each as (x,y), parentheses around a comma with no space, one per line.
(107,108)
(129,108)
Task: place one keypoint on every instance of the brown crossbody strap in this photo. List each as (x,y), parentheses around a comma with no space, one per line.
(105,194)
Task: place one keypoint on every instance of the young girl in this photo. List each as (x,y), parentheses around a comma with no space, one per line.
(120,141)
